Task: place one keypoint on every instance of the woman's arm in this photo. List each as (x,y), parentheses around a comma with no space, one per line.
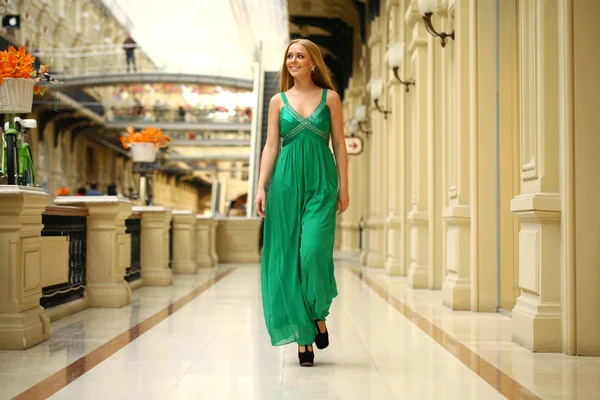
(339,148)
(269,154)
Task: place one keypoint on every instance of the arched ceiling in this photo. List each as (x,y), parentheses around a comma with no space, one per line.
(338,27)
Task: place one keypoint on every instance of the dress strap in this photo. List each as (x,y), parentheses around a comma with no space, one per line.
(284,97)
(324,96)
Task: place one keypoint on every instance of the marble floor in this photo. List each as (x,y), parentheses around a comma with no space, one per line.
(204,337)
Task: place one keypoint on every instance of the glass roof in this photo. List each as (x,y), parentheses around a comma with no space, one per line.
(213,37)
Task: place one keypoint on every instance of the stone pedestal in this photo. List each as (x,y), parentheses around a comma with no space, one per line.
(237,240)
(204,226)
(154,245)
(107,252)
(212,237)
(183,246)
(23,323)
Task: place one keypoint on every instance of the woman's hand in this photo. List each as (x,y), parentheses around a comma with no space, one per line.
(260,202)
(343,201)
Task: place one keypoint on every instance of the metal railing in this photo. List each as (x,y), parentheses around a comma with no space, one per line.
(135,113)
(93,60)
(75,228)
(108,59)
(133,226)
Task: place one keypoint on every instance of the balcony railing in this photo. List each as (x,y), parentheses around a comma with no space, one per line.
(133,226)
(69,222)
(135,113)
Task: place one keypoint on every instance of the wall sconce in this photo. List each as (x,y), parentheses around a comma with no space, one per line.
(376,91)
(395,54)
(360,114)
(426,8)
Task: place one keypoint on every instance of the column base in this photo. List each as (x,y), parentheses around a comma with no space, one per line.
(537,326)
(108,295)
(20,331)
(456,293)
(184,267)
(395,267)
(375,260)
(158,278)
(204,262)
(418,276)
(364,256)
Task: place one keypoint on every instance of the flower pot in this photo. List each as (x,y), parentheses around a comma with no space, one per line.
(16,95)
(143,152)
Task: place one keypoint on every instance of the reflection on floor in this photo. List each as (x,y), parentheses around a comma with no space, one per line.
(216,346)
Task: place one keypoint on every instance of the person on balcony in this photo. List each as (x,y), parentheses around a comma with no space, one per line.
(306,188)
(129,45)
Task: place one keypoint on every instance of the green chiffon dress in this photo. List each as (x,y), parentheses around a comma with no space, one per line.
(298,284)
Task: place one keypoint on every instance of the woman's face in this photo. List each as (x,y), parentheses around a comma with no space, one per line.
(298,61)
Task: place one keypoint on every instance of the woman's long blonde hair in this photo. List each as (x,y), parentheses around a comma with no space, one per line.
(321,76)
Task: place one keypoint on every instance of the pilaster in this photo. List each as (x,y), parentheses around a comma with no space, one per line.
(456,288)
(397,155)
(376,219)
(537,316)
(418,274)
(23,322)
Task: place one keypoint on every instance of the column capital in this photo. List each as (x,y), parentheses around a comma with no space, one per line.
(457,215)
(99,206)
(527,202)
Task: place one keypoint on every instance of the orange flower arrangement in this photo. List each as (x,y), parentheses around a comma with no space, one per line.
(63,191)
(19,64)
(148,135)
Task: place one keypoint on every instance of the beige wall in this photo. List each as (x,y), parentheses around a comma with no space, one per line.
(497,190)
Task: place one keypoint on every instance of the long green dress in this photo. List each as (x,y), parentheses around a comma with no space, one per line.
(298,284)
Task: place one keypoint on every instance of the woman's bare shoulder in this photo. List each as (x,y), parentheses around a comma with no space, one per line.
(276,99)
(333,98)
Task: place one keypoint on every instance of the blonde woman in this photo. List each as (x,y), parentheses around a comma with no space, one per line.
(306,189)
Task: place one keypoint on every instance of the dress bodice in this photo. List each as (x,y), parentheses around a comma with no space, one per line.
(292,125)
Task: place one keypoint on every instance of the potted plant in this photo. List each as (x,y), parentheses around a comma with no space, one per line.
(18,81)
(145,143)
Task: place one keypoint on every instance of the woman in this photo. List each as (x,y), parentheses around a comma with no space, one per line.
(305,190)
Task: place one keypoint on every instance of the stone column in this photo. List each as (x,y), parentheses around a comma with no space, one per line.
(456,288)
(418,216)
(537,316)
(23,322)
(154,245)
(106,248)
(183,246)
(204,226)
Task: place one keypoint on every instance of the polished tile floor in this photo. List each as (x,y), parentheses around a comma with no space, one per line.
(387,342)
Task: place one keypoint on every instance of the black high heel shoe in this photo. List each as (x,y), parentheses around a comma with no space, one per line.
(307,358)
(322,339)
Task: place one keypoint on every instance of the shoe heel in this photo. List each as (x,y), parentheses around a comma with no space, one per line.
(321,339)
(307,358)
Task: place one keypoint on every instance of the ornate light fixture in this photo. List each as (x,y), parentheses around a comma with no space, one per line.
(376,91)
(427,8)
(395,55)
(360,114)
